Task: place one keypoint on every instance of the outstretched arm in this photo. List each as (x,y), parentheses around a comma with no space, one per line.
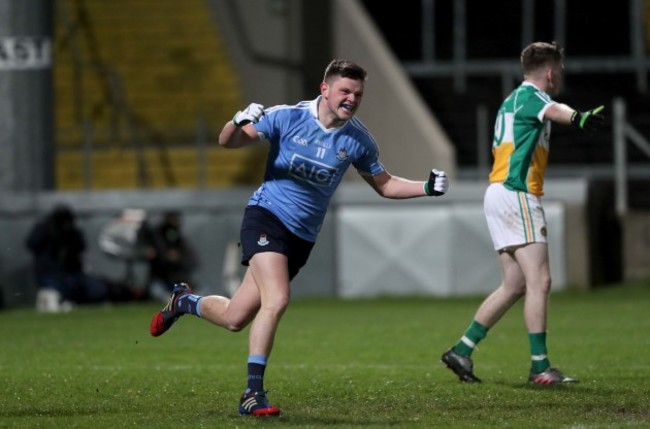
(559,113)
(591,120)
(239,132)
(395,187)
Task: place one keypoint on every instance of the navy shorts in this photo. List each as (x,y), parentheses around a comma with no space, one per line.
(262,231)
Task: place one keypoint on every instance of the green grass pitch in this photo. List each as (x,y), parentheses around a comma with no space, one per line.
(336,364)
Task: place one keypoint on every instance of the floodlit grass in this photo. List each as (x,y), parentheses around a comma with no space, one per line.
(338,364)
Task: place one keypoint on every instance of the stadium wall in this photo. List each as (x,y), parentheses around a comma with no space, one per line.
(275,65)
(438,247)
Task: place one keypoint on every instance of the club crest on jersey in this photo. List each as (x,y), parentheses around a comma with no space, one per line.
(309,170)
(263,241)
(342,155)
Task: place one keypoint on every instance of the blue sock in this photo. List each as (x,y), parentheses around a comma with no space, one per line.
(256,367)
(189,304)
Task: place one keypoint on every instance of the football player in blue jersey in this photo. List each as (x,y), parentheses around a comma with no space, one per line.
(312,144)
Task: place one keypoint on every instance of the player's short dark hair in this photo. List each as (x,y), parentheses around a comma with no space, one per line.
(344,68)
(540,54)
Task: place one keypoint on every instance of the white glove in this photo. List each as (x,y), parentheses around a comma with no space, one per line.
(438,183)
(252,113)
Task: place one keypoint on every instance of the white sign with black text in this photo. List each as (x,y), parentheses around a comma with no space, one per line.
(25,53)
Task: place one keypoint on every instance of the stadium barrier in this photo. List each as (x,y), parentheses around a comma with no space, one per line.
(367,246)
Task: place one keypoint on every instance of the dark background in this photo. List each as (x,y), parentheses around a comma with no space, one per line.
(593,29)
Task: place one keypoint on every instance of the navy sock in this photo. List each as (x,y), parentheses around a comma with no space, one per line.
(189,304)
(256,367)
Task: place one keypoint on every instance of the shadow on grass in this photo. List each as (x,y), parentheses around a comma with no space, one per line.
(585,388)
(341,421)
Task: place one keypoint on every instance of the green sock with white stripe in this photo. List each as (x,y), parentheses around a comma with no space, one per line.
(474,333)
(538,352)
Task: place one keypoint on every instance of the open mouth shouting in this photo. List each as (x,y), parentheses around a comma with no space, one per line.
(348,108)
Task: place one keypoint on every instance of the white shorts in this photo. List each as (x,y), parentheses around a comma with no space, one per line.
(514,218)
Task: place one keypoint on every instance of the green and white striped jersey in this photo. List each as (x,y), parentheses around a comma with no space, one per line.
(521,140)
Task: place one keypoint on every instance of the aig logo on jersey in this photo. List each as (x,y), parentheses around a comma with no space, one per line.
(312,171)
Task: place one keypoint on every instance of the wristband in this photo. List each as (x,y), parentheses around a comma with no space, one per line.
(426,189)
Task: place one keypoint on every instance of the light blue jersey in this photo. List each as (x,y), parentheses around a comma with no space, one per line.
(307,162)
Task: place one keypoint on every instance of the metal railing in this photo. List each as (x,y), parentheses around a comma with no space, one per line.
(624,131)
(460,67)
(78,27)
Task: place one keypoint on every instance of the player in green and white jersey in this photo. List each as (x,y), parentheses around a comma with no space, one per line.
(514,212)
